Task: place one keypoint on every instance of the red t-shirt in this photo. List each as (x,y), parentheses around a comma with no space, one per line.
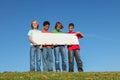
(74,47)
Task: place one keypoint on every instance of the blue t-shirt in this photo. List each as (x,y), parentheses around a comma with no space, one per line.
(31,32)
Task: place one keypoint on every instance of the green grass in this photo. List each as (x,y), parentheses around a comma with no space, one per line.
(60,76)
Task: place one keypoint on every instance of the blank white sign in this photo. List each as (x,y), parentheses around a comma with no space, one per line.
(55,39)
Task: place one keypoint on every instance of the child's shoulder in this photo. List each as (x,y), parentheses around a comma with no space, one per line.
(33,31)
(54,31)
(71,32)
(30,31)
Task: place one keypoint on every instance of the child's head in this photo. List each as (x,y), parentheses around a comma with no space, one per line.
(58,26)
(34,25)
(46,25)
(71,27)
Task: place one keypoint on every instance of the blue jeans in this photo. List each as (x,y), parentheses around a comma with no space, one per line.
(60,50)
(71,55)
(47,58)
(35,53)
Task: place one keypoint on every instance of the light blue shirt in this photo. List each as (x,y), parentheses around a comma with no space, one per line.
(31,32)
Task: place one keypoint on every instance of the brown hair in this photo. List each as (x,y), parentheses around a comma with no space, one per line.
(57,25)
(32,24)
(46,23)
(71,24)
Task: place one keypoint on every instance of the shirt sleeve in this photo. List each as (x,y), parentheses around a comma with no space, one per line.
(79,36)
(30,33)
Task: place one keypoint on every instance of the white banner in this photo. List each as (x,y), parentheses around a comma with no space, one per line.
(55,39)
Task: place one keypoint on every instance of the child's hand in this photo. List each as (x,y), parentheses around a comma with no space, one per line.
(65,45)
(35,44)
(52,45)
(56,44)
(41,47)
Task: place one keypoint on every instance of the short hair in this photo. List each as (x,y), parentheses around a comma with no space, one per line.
(32,24)
(46,23)
(71,24)
(57,25)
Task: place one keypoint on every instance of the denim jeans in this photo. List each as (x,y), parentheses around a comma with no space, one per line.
(47,58)
(71,55)
(35,53)
(60,50)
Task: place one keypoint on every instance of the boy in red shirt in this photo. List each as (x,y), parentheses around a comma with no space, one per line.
(74,51)
(47,55)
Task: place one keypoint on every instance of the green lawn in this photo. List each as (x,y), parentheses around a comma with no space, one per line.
(60,76)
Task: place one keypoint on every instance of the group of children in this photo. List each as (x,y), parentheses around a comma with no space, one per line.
(45,51)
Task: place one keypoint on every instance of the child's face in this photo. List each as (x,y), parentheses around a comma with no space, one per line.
(35,25)
(71,28)
(58,27)
(46,27)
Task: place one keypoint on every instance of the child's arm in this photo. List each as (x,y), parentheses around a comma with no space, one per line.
(34,43)
(79,35)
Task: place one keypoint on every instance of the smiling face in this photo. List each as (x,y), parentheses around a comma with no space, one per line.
(46,27)
(35,25)
(58,27)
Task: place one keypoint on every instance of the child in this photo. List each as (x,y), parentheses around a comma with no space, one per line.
(59,50)
(35,52)
(47,51)
(74,51)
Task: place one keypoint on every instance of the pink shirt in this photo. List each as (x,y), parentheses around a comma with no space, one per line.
(74,47)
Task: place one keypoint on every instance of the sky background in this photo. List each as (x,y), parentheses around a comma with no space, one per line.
(98,20)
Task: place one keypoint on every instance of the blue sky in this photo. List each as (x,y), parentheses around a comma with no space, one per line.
(98,20)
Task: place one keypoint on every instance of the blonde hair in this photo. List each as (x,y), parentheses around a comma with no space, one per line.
(32,24)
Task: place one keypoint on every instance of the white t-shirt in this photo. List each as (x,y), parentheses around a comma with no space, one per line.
(31,32)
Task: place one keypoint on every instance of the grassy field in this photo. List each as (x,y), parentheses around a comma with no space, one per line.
(60,76)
